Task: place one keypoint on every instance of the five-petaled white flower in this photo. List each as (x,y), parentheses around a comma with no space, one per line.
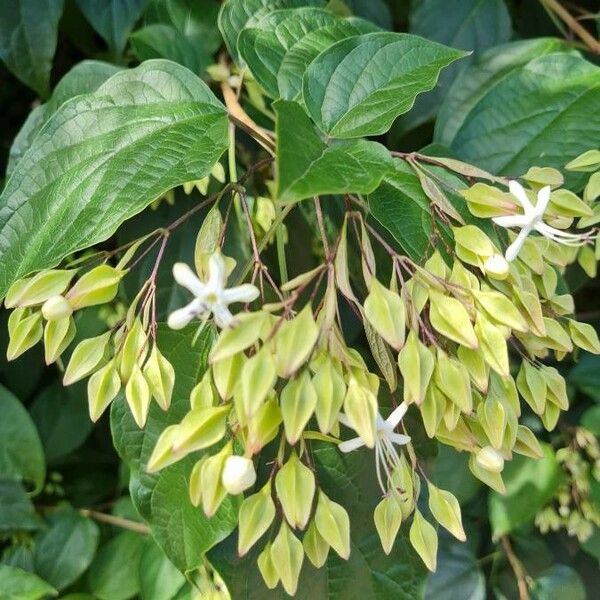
(533,219)
(386,456)
(209,297)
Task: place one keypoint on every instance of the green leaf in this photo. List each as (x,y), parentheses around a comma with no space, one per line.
(536,480)
(181,530)
(114,573)
(558,582)
(16,510)
(369,574)
(590,419)
(401,206)
(196,20)
(376,11)
(112,19)
(307,166)
(235,15)
(509,142)
(62,420)
(159,578)
(103,157)
(28,30)
(358,86)
(165,41)
(481,77)
(300,55)
(585,375)
(451,472)
(473,25)
(83,78)
(16,584)
(66,549)
(21,454)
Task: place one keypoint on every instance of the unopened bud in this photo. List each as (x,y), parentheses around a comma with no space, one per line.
(57,336)
(98,286)
(298,402)
(256,515)
(360,406)
(490,460)
(103,387)
(200,428)
(86,358)
(315,547)
(160,375)
(295,485)
(287,555)
(213,492)
(333,524)
(24,331)
(388,518)
(56,308)
(37,289)
(163,455)
(238,474)
(496,267)
(137,394)
(385,311)
(134,350)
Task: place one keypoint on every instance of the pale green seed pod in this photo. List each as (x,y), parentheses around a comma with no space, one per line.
(39,288)
(195,485)
(256,381)
(433,409)
(200,428)
(238,474)
(550,416)
(499,309)
(98,286)
(294,342)
(472,239)
(203,394)
(266,566)
(405,487)
(226,373)
(416,365)
(529,305)
(476,366)
(586,258)
(134,349)
(331,389)
(539,177)
(287,556)
(450,318)
(237,339)
(360,406)
(385,311)
(424,540)
(25,331)
(584,336)
(490,478)
(490,460)
(556,387)
(87,356)
(255,517)
(56,308)
(527,444)
(57,336)
(315,547)
(295,487)
(556,336)
(532,386)
(493,419)
(298,402)
(589,161)
(453,379)
(333,524)
(207,240)
(388,518)
(492,345)
(382,354)
(213,492)
(162,456)
(137,394)
(486,201)
(160,376)
(103,387)
(446,511)
(264,426)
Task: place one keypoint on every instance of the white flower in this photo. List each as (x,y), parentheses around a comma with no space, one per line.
(386,456)
(532,219)
(209,297)
(238,474)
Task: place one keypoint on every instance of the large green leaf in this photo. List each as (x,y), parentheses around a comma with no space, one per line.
(401,206)
(300,55)
(17,584)
(83,78)
(481,77)
(473,25)
(112,19)
(235,15)
(101,158)
(369,574)
(358,86)
(159,578)
(535,480)
(21,454)
(557,582)
(16,509)
(376,11)
(585,375)
(307,166)
(181,529)
(28,30)
(66,548)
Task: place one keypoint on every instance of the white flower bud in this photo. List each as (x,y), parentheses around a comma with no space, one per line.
(238,474)
(496,267)
(56,308)
(490,460)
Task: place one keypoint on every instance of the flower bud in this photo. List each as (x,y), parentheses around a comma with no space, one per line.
(490,460)
(527,444)
(39,288)
(86,358)
(137,394)
(333,524)
(213,492)
(295,486)
(266,566)
(388,518)
(98,286)
(446,511)
(203,394)
(584,336)
(486,201)
(103,387)
(449,317)
(160,375)
(416,365)
(532,386)
(226,372)
(238,474)
(162,456)
(287,555)
(360,406)
(500,309)
(385,311)
(453,379)
(200,428)
(264,426)
(134,349)
(424,540)
(236,339)
(57,336)
(330,389)
(493,419)
(298,402)
(492,345)
(256,381)
(25,331)
(315,547)
(491,478)
(56,308)
(256,515)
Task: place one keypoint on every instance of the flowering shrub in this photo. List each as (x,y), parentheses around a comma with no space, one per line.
(330,363)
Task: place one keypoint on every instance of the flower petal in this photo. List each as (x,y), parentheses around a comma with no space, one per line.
(241,293)
(223,318)
(518,191)
(216,273)
(178,319)
(185,277)
(511,221)
(397,414)
(543,198)
(399,438)
(513,250)
(351,445)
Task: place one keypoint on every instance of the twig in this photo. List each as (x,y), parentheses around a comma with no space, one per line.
(517,568)
(557,8)
(117,521)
